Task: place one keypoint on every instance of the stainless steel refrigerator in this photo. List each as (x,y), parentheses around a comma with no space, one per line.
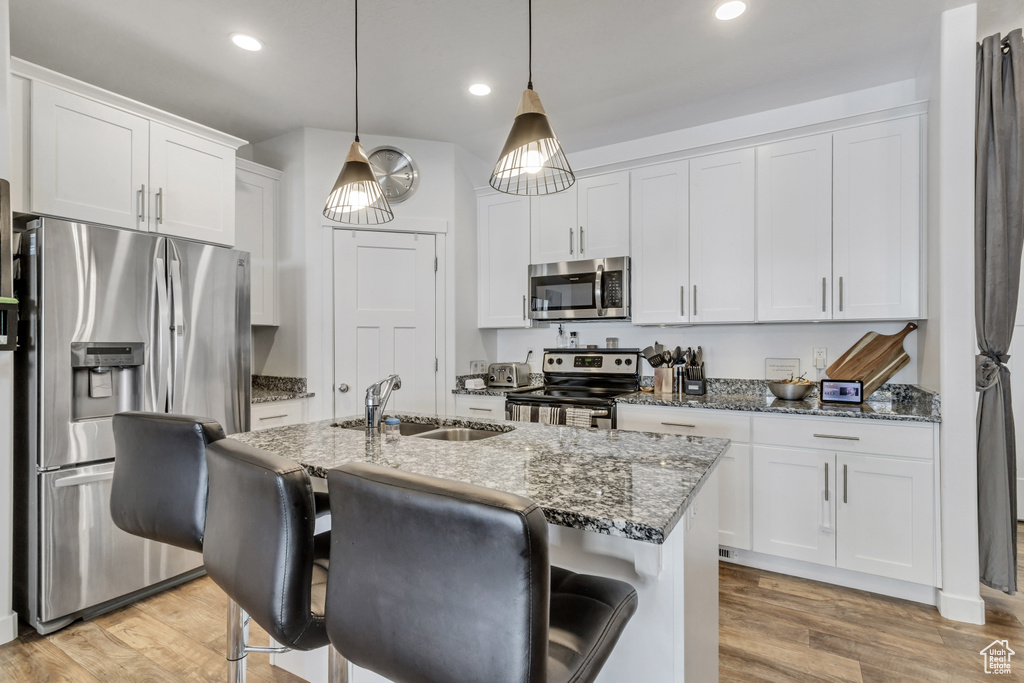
(112,320)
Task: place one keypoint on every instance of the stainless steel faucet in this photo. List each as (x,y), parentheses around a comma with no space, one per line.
(375,404)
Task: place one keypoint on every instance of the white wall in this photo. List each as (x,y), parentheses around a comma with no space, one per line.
(737,351)
(8,620)
(443,203)
(952,180)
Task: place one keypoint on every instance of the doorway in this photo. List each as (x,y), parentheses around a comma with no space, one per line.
(384,318)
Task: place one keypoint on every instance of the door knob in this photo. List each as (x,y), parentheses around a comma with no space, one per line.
(343,388)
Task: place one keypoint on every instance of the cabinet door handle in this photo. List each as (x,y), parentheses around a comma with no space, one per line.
(845,479)
(840,293)
(823,294)
(524,307)
(160,206)
(273,417)
(581,240)
(677,424)
(570,241)
(142,204)
(695,301)
(682,300)
(836,436)
(485,410)
(826,482)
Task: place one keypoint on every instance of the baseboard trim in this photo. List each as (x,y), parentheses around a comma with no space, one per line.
(882,585)
(970,610)
(8,628)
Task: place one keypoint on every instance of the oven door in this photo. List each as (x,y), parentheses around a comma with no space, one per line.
(560,413)
(580,290)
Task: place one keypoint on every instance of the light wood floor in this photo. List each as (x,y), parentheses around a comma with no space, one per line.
(771,628)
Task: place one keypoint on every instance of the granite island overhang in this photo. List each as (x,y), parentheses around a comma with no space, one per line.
(636,506)
(630,484)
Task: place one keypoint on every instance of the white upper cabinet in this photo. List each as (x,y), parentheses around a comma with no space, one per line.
(876,222)
(603,203)
(503,260)
(722,237)
(794,229)
(256,217)
(101,158)
(660,243)
(590,220)
(89,161)
(194,184)
(553,228)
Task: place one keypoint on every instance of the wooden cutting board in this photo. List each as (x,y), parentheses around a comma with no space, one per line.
(873,360)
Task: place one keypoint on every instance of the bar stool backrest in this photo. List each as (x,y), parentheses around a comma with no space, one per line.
(436,581)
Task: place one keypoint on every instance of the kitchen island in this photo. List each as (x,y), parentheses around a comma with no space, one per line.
(635,506)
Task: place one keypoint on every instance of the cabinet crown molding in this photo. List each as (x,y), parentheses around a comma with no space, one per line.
(34,72)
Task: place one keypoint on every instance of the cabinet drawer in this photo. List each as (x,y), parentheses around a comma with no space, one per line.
(277,414)
(492,407)
(855,436)
(695,421)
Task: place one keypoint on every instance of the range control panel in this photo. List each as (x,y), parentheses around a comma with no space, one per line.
(592,361)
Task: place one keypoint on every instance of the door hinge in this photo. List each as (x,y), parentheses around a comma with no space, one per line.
(435,264)
(435,365)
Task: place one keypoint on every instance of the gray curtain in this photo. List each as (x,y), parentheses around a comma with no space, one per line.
(998,235)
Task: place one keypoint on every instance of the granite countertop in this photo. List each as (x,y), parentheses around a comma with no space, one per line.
(268,389)
(897,402)
(634,485)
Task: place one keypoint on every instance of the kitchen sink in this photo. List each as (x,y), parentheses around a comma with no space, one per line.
(458,434)
(405,428)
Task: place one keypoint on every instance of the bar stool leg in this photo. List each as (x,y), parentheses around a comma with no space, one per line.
(337,666)
(238,637)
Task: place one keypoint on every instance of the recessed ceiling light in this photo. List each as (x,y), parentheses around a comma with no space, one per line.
(730,10)
(480,89)
(246,42)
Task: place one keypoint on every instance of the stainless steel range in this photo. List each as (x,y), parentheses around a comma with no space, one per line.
(580,387)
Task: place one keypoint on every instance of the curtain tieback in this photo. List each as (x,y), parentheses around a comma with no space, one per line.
(987,368)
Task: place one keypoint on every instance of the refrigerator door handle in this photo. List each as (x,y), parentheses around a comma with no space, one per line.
(177,329)
(160,360)
(82,479)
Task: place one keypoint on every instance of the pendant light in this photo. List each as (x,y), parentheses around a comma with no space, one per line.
(357,198)
(532,161)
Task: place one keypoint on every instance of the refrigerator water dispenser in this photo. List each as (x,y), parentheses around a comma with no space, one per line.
(107,378)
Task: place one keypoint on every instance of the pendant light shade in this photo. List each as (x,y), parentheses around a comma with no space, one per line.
(357,197)
(532,161)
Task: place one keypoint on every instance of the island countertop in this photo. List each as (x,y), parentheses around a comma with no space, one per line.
(634,485)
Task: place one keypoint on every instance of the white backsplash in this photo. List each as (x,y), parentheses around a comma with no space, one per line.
(736,351)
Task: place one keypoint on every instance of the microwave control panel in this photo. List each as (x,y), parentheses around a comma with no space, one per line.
(612,289)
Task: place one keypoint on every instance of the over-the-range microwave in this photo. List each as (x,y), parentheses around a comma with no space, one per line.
(597,289)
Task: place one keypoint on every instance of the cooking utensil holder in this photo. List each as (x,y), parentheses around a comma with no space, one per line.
(663,380)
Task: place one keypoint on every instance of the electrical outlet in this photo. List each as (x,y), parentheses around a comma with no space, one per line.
(819,357)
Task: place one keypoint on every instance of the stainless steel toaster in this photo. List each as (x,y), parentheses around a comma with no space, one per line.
(508,375)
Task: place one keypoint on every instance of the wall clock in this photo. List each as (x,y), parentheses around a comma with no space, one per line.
(395,172)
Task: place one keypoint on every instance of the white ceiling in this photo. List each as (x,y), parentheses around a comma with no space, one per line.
(606,70)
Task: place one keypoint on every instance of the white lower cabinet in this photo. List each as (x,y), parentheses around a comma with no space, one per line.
(491,407)
(793,504)
(869,513)
(277,414)
(733,468)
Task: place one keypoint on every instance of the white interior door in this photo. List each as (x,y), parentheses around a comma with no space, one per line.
(384,318)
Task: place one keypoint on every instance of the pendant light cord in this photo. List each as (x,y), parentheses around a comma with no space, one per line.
(356,42)
(529,83)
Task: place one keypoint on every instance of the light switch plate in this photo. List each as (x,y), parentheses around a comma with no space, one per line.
(781,368)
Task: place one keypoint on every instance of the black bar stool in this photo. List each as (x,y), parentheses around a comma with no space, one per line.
(260,549)
(159,491)
(444,582)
